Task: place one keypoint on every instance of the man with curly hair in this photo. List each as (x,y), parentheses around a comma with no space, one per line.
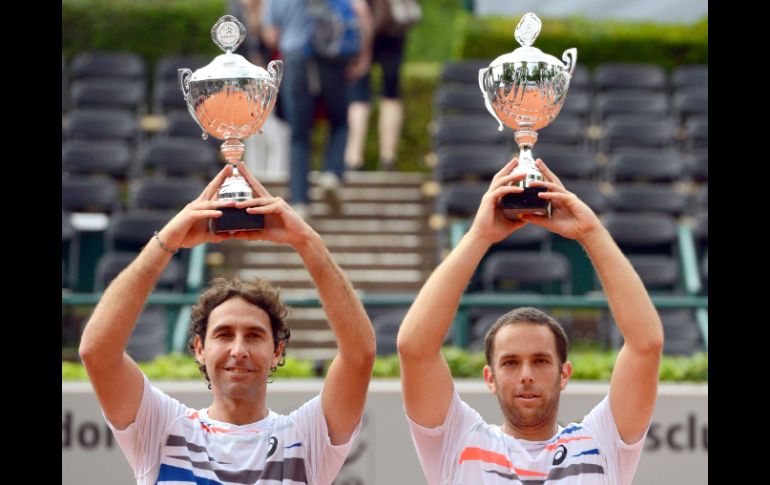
(238,338)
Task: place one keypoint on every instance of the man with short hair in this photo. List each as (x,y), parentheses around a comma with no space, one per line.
(526,367)
(239,338)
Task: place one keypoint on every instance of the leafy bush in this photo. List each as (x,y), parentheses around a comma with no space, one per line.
(587,365)
(667,45)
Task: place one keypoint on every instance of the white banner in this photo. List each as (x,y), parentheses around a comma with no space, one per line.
(676,450)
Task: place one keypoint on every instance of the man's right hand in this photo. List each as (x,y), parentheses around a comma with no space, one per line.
(190,226)
(283,226)
(490,225)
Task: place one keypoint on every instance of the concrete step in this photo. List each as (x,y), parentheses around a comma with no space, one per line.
(371,210)
(371,226)
(379,261)
(358,179)
(357,276)
(371,194)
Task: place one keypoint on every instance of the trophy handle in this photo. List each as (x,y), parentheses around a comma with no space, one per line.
(486,100)
(275,68)
(184,82)
(570,59)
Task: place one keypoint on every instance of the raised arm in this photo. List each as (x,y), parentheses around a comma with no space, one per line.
(425,376)
(344,393)
(115,377)
(634,383)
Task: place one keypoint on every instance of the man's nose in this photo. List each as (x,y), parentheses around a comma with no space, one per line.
(238,347)
(526,372)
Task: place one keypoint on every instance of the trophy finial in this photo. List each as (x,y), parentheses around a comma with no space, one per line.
(528,29)
(228,33)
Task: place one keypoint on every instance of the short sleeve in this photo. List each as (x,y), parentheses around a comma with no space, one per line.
(142,439)
(436,446)
(324,459)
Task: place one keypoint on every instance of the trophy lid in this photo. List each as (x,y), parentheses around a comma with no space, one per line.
(526,32)
(228,33)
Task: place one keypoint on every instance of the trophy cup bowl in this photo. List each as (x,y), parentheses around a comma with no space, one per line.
(230,99)
(525,90)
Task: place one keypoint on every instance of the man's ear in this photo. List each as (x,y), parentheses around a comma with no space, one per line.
(566,373)
(489,379)
(278,352)
(198,343)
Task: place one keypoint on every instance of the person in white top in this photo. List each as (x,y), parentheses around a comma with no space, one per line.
(239,338)
(527,366)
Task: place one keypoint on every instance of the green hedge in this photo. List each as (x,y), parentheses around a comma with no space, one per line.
(150,28)
(593,366)
(667,45)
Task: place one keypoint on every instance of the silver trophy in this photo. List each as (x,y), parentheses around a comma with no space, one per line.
(525,90)
(231,98)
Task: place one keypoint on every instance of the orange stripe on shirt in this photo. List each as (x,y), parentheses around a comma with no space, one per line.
(555,445)
(471,453)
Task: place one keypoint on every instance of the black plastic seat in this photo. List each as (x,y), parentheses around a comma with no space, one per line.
(652,104)
(460,200)
(564,130)
(167,96)
(637,165)
(698,163)
(612,75)
(89,194)
(637,197)
(459,100)
(644,233)
(526,271)
(689,104)
(658,273)
(528,238)
(581,79)
(459,130)
(690,75)
(109,94)
(181,124)
(165,193)
(697,129)
(95,124)
(110,157)
(471,162)
(130,231)
(567,161)
(179,156)
(638,132)
(577,104)
(588,191)
(112,263)
(681,331)
(122,65)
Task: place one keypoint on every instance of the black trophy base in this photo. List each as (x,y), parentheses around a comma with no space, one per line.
(527,202)
(233,220)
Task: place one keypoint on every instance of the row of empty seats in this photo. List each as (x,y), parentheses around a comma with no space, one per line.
(120,80)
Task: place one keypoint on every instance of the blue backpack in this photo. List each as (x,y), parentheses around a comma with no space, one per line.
(336,30)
